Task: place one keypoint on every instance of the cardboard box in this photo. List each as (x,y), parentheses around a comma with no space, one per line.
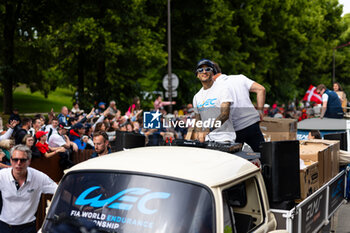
(269,124)
(321,152)
(276,129)
(335,153)
(334,147)
(279,136)
(309,179)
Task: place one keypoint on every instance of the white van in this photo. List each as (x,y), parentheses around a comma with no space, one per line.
(164,190)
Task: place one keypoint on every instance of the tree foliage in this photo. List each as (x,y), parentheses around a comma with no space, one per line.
(118,49)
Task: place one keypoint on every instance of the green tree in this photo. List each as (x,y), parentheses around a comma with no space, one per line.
(21,57)
(110,51)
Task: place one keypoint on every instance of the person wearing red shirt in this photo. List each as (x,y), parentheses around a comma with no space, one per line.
(44,148)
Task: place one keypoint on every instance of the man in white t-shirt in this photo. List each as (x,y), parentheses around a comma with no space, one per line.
(212,106)
(61,139)
(52,128)
(244,116)
(21,188)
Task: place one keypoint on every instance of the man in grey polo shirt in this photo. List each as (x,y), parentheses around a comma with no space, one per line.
(21,188)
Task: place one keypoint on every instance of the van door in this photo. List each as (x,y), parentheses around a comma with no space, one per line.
(243,207)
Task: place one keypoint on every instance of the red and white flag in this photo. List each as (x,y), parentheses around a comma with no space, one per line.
(311,95)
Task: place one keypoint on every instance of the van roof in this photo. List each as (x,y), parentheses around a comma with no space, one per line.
(209,167)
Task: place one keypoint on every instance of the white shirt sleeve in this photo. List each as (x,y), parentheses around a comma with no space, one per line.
(194,103)
(7,135)
(225,95)
(56,140)
(48,185)
(324,97)
(248,82)
(100,119)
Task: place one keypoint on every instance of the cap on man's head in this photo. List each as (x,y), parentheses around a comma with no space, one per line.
(78,126)
(208,63)
(39,134)
(88,126)
(63,126)
(101,103)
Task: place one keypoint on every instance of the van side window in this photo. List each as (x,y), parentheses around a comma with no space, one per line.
(243,210)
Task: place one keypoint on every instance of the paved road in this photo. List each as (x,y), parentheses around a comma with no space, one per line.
(340,223)
(343,225)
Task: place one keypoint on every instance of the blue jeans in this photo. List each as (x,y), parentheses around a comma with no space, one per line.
(25,228)
(251,135)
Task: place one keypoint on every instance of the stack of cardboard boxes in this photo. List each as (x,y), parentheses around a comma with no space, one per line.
(321,157)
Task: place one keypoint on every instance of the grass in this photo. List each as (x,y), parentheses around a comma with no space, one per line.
(27,102)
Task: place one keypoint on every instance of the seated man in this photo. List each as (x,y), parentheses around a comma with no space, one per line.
(61,139)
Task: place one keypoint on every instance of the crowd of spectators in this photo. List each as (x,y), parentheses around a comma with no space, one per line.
(73,130)
(299,111)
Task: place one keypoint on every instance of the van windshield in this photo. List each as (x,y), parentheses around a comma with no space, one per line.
(122,202)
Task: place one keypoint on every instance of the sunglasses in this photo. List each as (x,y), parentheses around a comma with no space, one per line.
(206,69)
(16,160)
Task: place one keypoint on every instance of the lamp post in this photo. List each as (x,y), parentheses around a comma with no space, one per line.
(334,49)
(169,60)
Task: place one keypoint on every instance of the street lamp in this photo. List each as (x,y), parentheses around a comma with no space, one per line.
(169,61)
(338,47)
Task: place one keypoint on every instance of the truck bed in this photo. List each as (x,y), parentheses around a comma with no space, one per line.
(315,211)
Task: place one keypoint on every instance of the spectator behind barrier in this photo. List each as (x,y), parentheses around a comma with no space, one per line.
(76,134)
(101,144)
(30,142)
(5,147)
(26,125)
(44,148)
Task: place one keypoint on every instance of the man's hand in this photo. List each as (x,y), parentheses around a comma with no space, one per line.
(90,113)
(138,112)
(201,135)
(75,147)
(61,149)
(106,112)
(12,124)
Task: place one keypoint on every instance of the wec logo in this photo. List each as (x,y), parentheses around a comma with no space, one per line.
(208,103)
(127,199)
